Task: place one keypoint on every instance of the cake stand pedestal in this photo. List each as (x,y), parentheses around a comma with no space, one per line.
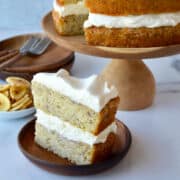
(132,78)
(134,81)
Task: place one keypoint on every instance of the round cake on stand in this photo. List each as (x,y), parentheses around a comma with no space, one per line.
(127,71)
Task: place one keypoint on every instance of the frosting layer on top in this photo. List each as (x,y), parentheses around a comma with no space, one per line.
(92,92)
(133,21)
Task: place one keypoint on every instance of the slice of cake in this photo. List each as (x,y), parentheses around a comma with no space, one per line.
(75,117)
(133,23)
(69,16)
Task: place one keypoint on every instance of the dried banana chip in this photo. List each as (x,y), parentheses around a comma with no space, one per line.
(20,104)
(18,81)
(16,95)
(18,91)
(4,87)
(6,93)
(20,101)
(28,104)
(5,103)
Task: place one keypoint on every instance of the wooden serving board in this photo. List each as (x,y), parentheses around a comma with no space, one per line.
(53,163)
(78,43)
(54,57)
(29,76)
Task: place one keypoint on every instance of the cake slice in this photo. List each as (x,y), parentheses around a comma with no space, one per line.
(85,103)
(75,117)
(75,144)
(69,16)
(133,23)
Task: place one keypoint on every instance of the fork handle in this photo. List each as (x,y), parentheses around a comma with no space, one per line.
(10,61)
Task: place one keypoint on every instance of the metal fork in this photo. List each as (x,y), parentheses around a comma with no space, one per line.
(34,46)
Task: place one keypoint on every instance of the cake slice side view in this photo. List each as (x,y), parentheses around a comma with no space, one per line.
(127,23)
(76,100)
(69,16)
(73,143)
(75,117)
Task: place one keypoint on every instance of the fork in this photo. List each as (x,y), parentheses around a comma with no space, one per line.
(7,54)
(34,46)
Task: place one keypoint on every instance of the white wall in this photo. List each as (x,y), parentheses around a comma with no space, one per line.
(23,14)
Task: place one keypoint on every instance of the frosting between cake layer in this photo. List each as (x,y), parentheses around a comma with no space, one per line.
(92,92)
(53,123)
(133,21)
(70,9)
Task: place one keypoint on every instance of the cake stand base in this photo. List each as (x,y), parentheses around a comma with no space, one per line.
(134,81)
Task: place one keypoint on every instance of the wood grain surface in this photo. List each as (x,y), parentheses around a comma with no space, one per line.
(55,56)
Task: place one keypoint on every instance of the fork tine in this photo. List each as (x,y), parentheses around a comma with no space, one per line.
(41,46)
(29,43)
(23,51)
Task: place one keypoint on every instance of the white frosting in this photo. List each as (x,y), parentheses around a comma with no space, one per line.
(132,21)
(92,92)
(73,133)
(70,9)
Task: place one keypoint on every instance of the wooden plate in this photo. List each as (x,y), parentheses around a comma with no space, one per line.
(29,76)
(78,43)
(54,57)
(51,162)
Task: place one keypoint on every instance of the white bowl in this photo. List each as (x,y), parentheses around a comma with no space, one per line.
(17,114)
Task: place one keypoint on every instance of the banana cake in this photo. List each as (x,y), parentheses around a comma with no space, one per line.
(75,117)
(69,16)
(133,23)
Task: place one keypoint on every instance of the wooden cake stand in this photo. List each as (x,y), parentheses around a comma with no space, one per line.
(133,79)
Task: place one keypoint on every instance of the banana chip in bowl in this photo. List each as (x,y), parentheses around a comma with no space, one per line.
(15,97)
